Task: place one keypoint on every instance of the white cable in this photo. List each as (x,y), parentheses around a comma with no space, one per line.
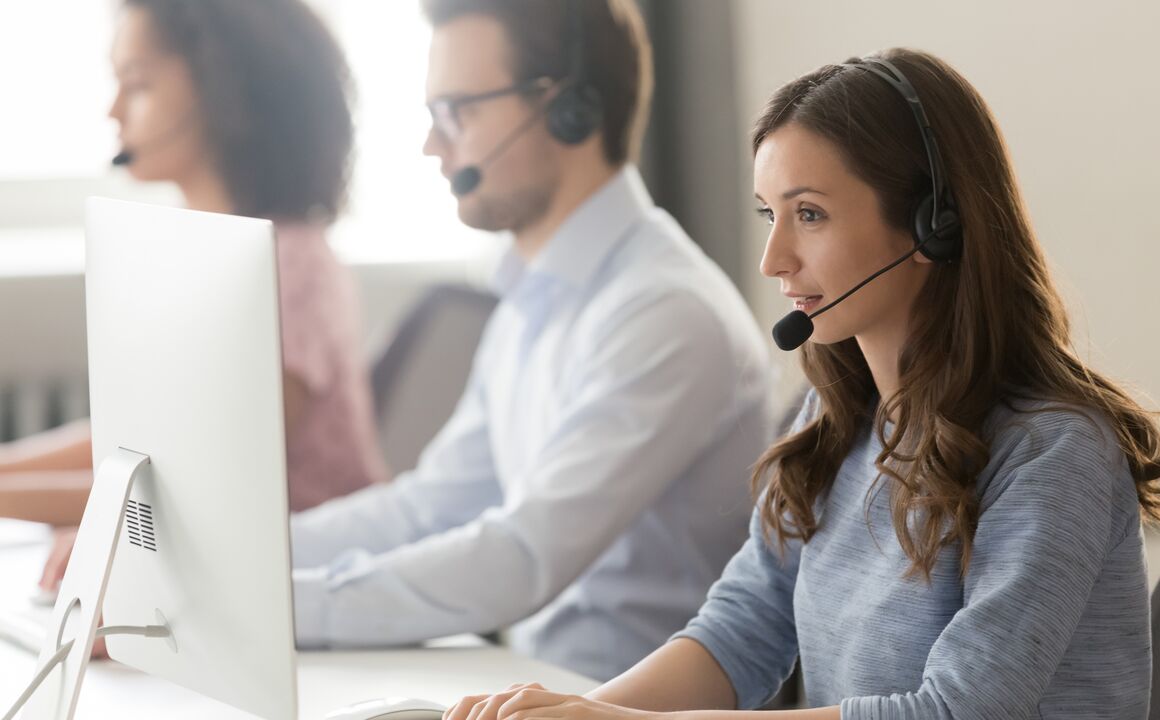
(152,631)
(53,661)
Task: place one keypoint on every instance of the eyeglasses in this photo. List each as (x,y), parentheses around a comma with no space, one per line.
(445,110)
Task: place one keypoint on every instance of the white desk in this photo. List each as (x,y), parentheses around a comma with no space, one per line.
(443,672)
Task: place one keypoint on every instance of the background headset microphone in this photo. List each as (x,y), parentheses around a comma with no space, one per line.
(128,155)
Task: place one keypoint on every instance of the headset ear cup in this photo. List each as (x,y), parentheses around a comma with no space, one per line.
(575,113)
(943,239)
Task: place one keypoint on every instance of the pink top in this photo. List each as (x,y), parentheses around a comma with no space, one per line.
(333,448)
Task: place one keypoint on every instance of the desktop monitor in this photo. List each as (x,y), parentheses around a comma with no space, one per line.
(185,369)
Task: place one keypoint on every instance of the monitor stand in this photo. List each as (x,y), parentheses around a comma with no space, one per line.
(82,591)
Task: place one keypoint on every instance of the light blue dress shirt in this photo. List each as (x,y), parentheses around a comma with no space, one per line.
(593,480)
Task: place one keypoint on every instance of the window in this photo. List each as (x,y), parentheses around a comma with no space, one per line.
(56,85)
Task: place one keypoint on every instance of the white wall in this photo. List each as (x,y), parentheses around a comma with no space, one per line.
(1076,91)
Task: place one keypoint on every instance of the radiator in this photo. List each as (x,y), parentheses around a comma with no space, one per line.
(29,406)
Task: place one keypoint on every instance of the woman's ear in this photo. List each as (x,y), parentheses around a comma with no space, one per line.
(906,239)
(923,259)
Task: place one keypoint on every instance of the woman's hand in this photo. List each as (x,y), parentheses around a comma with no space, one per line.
(63,540)
(532,701)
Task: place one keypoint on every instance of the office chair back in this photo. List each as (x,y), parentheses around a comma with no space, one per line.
(422,372)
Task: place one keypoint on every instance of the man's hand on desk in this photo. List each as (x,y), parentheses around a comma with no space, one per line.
(63,540)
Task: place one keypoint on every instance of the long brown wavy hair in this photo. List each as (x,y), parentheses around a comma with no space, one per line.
(985,330)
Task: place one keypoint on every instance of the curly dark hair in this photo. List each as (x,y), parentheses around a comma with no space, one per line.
(276,94)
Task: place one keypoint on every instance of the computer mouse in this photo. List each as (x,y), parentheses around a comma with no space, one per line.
(389,709)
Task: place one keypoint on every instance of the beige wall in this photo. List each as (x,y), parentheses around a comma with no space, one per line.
(1076,89)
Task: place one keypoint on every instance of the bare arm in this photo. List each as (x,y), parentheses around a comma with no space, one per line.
(683,678)
(533,702)
(47,477)
(833,712)
(68,447)
(680,675)
(56,498)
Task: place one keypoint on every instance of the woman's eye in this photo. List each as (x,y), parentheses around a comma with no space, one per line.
(808,215)
(766,214)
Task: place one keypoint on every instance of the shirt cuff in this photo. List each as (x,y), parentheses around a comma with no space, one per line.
(853,709)
(893,707)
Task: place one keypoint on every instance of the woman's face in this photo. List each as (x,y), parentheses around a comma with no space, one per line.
(828,234)
(156,106)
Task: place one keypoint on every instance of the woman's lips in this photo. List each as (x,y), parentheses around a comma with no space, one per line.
(807,303)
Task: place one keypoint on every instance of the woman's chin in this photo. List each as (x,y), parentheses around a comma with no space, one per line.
(824,336)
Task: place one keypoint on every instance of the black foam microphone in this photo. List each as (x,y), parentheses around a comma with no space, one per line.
(127,155)
(795,328)
(792,330)
(466,179)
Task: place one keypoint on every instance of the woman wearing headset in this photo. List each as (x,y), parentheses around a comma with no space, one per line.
(952,527)
(244,105)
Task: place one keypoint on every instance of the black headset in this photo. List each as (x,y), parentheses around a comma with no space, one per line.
(935,224)
(577,109)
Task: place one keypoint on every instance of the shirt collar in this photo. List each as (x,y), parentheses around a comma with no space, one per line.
(585,239)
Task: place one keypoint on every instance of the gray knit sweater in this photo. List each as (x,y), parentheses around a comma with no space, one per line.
(1051,620)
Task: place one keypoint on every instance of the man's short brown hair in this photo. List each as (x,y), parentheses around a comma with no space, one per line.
(616,48)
